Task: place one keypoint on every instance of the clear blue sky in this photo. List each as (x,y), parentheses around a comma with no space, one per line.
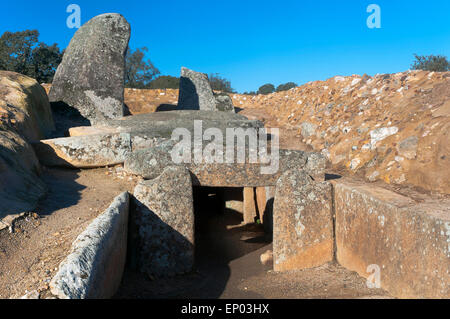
(255,42)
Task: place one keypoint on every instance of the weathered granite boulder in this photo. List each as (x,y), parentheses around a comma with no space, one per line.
(20,185)
(91,76)
(302,222)
(196,94)
(164,220)
(25,116)
(224,102)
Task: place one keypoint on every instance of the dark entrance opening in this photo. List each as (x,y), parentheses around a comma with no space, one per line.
(226,252)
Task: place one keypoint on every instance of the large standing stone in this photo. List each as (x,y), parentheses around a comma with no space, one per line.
(91,75)
(164,219)
(196,94)
(302,222)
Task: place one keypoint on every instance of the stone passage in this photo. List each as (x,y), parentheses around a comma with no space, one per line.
(196,94)
(90,77)
(303,222)
(164,220)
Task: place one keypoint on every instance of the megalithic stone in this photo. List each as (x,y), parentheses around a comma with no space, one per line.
(90,77)
(196,94)
(164,219)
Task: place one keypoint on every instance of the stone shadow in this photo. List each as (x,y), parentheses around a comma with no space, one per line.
(189,99)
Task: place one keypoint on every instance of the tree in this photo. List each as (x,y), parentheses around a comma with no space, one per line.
(436,63)
(138,72)
(286,86)
(219,83)
(266,89)
(22,52)
(165,82)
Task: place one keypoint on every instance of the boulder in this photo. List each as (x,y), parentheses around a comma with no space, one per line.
(302,222)
(196,94)
(24,106)
(91,76)
(25,116)
(164,222)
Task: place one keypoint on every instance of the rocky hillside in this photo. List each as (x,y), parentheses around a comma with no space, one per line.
(390,127)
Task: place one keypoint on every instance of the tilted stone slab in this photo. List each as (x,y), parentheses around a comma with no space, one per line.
(164,221)
(149,163)
(407,242)
(90,77)
(196,94)
(95,265)
(302,222)
(84,151)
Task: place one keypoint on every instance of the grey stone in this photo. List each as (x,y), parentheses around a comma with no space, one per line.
(20,185)
(224,102)
(195,91)
(164,219)
(88,151)
(149,163)
(91,76)
(302,222)
(95,265)
(408,147)
(196,94)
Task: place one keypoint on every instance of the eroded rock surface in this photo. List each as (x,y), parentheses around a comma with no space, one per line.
(164,219)
(91,76)
(25,116)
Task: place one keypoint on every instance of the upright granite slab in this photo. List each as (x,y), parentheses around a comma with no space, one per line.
(196,94)
(302,222)
(164,220)
(91,76)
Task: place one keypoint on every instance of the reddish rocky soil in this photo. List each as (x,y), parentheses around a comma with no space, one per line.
(29,256)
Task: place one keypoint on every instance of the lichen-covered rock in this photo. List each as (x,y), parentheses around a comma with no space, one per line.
(149,163)
(302,222)
(164,219)
(196,94)
(91,76)
(94,267)
(195,91)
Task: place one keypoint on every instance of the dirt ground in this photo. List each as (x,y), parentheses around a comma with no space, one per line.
(29,256)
